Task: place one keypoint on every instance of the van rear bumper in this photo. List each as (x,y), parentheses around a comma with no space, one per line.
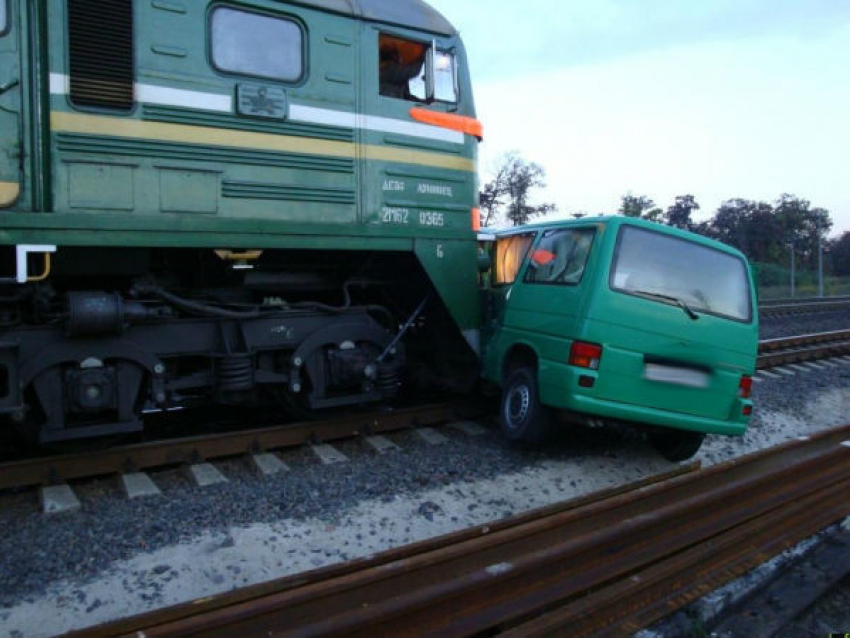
(557,395)
(652,416)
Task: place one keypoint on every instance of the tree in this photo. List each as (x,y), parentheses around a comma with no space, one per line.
(765,232)
(751,227)
(679,214)
(492,196)
(803,226)
(635,205)
(509,190)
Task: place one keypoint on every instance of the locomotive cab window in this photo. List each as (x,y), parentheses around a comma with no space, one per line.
(445,76)
(401,63)
(560,257)
(405,66)
(259,45)
(4,16)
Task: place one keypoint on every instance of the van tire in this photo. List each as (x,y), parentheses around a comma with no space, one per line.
(676,445)
(523,419)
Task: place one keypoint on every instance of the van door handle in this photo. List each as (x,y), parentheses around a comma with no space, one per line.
(8,86)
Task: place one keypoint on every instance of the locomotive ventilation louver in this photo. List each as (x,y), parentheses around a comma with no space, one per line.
(101,53)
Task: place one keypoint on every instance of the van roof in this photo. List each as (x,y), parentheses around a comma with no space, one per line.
(414,14)
(616,221)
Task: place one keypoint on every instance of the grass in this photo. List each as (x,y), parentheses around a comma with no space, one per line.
(832,287)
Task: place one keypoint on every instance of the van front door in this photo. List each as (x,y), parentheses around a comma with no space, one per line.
(546,305)
(550,299)
(10,104)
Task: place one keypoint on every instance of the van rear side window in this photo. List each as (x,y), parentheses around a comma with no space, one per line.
(254,44)
(668,269)
(560,257)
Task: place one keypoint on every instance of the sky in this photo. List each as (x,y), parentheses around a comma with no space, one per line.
(714,98)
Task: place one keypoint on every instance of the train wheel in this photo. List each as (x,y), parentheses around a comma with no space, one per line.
(523,418)
(676,445)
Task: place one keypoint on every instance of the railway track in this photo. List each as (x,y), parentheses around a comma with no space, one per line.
(189,451)
(131,459)
(785,307)
(607,564)
(774,353)
(779,301)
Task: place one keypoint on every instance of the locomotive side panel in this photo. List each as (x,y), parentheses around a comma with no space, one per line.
(12,191)
(211,124)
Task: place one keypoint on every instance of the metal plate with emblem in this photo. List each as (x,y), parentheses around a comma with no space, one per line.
(262,100)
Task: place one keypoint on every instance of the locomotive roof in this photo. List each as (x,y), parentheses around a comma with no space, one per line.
(415,14)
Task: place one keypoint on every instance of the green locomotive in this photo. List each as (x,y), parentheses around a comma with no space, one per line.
(231,201)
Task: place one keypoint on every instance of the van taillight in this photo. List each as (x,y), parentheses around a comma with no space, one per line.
(585,355)
(745,388)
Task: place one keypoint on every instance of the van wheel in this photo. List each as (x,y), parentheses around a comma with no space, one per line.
(523,418)
(676,445)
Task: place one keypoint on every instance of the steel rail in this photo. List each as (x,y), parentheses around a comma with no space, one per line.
(653,593)
(784,301)
(166,452)
(766,345)
(827,305)
(468,583)
(799,348)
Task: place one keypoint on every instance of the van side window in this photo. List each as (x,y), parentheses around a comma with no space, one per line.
(254,44)
(560,257)
(4,16)
(510,253)
(401,63)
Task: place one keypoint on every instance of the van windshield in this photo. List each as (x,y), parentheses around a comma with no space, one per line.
(673,270)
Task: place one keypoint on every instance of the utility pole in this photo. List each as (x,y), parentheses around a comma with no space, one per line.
(793,268)
(820,266)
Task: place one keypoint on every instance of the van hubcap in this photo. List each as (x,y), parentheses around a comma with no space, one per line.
(519,401)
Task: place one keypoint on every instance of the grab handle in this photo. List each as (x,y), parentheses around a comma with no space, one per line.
(8,86)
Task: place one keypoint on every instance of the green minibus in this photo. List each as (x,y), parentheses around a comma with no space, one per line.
(620,321)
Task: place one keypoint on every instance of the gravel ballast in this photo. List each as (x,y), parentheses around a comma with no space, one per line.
(116,557)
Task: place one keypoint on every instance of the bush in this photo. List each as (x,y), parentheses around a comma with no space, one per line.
(771,275)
